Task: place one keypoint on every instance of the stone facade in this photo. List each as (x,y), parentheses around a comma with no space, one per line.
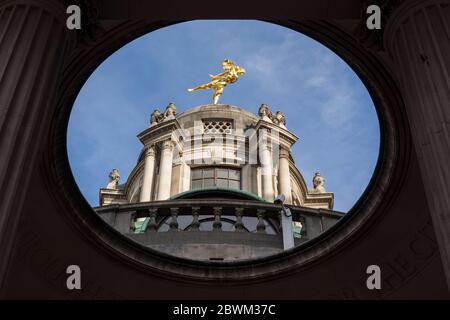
(217,146)
(36,174)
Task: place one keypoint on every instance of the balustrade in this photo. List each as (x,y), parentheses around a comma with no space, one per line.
(219,211)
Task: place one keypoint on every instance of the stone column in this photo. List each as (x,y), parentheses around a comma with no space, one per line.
(284,175)
(165,170)
(418,39)
(186,177)
(266,169)
(149,168)
(33,45)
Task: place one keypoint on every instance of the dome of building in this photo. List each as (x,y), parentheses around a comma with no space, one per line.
(217,146)
(215,168)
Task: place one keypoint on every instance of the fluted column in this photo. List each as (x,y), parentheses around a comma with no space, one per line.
(33,44)
(267,170)
(284,175)
(149,168)
(418,38)
(165,170)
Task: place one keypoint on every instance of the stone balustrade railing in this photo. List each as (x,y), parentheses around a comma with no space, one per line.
(214,229)
(123,216)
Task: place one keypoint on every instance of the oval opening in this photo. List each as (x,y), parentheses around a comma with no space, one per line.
(225,175)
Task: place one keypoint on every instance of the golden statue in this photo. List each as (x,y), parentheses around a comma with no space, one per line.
(220,81)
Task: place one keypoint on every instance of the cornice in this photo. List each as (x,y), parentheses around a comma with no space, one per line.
(287,138)
(160,132)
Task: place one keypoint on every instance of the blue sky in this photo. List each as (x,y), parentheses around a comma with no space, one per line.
(325,102)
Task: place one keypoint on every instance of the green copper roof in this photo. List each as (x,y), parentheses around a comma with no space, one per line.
(216,191)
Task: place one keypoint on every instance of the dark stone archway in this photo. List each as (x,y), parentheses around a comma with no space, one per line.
(54,226)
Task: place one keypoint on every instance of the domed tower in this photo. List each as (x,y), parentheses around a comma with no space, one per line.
(217,148)
(216,168)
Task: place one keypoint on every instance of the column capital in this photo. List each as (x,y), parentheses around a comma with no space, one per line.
(285,153)
(150,151)
(167,144)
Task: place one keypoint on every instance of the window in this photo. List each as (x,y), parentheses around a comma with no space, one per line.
(217,126)
(215,177)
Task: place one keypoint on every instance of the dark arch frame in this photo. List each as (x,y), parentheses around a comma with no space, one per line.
(383,188)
